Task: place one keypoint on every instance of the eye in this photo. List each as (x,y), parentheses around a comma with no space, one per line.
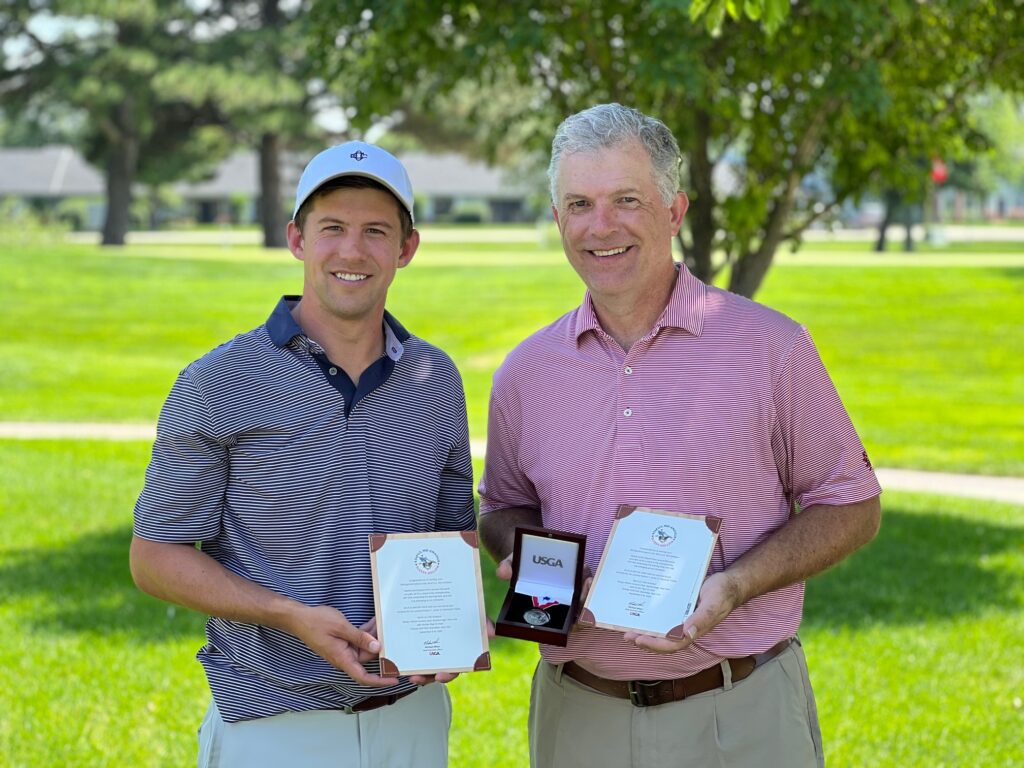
(578,205)
(374,231)
(628,200)
(332,228)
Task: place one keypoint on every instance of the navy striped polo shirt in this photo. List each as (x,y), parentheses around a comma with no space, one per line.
(281,473)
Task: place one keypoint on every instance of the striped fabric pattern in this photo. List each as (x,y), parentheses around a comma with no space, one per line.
(724,408)
(255,458)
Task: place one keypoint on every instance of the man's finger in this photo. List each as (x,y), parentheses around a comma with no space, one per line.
(585,589)
(440,677)
(364,641)
(370,626)
(656,644)
(504,569)
(351,667)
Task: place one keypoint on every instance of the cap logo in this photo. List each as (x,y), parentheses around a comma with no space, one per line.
(359,155)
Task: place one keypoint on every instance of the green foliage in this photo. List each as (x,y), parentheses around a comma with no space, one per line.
(22,226)
(162,89)
(771,13)
(1001,116)
(859,91)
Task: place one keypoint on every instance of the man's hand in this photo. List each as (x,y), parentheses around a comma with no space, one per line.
(330,635)
(719,596)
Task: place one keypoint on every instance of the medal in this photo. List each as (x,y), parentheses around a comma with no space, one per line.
(536,617)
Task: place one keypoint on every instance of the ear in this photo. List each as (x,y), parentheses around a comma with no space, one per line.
(295,242)
(677,210)
(554,212)
(409,248)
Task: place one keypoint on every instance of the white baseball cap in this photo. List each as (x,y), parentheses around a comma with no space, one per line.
(355,158)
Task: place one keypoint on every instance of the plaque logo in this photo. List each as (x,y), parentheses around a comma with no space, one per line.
(426,561)
(663,535)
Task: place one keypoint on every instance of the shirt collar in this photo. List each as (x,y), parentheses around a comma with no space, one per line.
(685,308)
(282,328)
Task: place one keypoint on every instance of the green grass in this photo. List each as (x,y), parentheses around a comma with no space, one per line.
(927,357)
(914,643)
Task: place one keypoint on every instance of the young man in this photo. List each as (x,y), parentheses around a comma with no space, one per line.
(661,391)
(276,455)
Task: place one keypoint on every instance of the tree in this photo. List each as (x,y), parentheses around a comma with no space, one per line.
(261,47)
(843,87)
(135,71)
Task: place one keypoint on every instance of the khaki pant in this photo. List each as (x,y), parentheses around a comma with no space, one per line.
(767,720)
(411,732)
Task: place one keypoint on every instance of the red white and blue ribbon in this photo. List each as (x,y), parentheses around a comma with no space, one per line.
(543,602)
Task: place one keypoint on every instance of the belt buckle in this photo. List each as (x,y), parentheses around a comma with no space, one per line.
(638,691)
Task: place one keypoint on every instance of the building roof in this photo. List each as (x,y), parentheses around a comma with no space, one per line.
(452,175)
(59,171)
(52,171)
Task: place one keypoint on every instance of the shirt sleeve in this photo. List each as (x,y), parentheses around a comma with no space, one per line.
(503,483)
(820,457)
(455,497)
(182,499)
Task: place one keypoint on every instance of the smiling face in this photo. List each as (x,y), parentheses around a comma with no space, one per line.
(616,229)
(350,246)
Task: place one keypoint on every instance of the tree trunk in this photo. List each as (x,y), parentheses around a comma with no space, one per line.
(122,166)
(702,207)
(892,203)
(272,216)
(908,224)
(748,272)
(750,269)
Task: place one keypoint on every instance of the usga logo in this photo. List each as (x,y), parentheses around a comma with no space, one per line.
(545,560)
(663,535)
(426,561)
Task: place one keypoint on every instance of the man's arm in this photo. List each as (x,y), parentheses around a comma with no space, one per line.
(497,533)
(182,574)
(809,543)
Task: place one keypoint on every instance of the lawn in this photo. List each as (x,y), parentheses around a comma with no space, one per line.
(927,358)
(914,644)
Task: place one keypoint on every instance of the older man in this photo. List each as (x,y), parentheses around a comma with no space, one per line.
(664,392)
(280,451)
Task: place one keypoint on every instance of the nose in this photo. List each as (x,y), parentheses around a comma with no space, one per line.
(603,221)
(351,243)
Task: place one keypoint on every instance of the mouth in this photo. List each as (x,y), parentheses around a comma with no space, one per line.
(606,253)
(349,277)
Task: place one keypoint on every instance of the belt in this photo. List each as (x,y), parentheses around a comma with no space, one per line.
(376,702)
(650,693)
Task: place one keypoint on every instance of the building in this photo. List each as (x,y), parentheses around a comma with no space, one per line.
(448,187)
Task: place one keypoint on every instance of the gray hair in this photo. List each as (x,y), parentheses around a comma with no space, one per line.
(609,125)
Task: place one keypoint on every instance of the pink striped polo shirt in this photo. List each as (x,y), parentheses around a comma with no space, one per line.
(724,408)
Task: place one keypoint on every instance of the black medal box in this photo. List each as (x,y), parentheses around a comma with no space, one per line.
(543,598)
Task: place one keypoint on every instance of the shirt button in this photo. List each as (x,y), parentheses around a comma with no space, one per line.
(628,370)
(628,412)
(333,371)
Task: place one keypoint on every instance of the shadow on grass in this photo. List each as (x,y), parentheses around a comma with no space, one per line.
(86,587)
(921,567)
